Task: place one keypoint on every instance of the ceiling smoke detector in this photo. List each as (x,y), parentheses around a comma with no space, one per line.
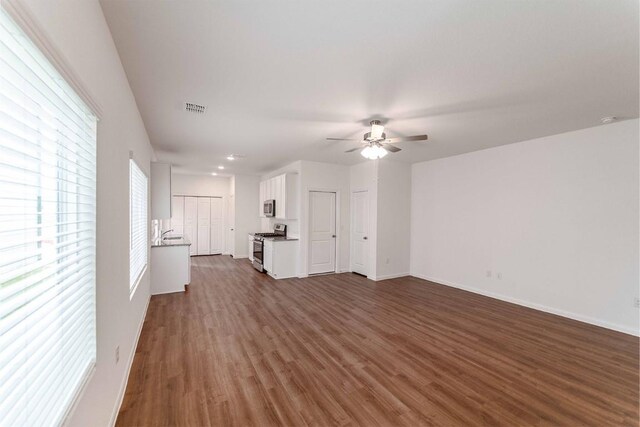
(195,108)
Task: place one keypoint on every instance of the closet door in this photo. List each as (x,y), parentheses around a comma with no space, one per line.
(204,226)
(177,215)
(191,223)
(216,225)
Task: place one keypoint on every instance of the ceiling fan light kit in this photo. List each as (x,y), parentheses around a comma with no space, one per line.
(373,152)
(377,145)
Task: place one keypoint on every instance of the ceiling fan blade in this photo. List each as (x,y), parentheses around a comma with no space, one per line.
(353,149)
(344,139)
(407,139)
(391,148)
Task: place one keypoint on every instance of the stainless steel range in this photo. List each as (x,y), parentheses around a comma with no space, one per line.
(279,231)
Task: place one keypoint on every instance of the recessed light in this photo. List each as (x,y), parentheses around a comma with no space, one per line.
(609,119)
(221,167)
(230,157)
(214,173)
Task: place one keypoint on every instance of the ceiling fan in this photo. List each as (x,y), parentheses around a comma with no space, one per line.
(376,143)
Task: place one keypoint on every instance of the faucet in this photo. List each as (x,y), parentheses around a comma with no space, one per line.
(165,232)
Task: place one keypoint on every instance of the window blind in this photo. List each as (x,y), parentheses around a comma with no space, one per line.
(138,247)
(47,236)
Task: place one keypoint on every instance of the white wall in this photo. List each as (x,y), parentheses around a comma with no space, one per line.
(246,191)
(556,217)
(393,219)
(78,31)
(199,185)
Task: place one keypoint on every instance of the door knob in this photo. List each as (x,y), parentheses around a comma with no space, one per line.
(365,238)
(333,235)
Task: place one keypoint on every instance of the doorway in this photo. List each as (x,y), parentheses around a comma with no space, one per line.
(322,232)
(360,232)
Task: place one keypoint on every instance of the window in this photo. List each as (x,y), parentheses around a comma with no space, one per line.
(137,224)
(47,236)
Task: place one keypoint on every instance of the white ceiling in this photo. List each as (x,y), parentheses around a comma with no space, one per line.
(279,77)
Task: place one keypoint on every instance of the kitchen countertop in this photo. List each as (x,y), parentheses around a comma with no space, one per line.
(170,242)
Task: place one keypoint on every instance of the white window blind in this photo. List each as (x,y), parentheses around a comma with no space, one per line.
(138,224)
(47,236)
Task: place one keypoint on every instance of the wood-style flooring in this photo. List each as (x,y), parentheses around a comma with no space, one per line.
(242,349)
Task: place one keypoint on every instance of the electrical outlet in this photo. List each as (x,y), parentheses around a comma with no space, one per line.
(499,275)
(387,261)
(117,354)
(636,302)
(488,273)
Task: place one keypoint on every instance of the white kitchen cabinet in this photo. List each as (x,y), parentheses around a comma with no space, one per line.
(269,189)
(267,255)
(250,247)
(279,194)
(280,258)
(170,268)
(160,190)
(284,190)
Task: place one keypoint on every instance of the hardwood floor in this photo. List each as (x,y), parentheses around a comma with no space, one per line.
(243,349)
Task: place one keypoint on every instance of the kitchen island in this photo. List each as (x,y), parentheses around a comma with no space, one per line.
(170,265)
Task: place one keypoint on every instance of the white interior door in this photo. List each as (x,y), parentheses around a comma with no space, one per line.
(360,232)
(177,215)
(191,223)
(216,226)
(322,232)
(204,225)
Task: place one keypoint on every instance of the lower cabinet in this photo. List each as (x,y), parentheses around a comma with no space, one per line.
(170,268)
(281,258)
(267,256)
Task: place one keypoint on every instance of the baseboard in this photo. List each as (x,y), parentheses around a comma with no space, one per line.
(125,381)
(535,306)
(168,292)
(388,276)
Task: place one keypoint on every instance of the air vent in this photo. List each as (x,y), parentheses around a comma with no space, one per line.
(195,108)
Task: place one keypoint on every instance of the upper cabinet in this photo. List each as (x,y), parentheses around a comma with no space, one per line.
(284,190)
(160,190)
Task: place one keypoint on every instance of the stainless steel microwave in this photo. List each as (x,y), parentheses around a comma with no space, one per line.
(269,208)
